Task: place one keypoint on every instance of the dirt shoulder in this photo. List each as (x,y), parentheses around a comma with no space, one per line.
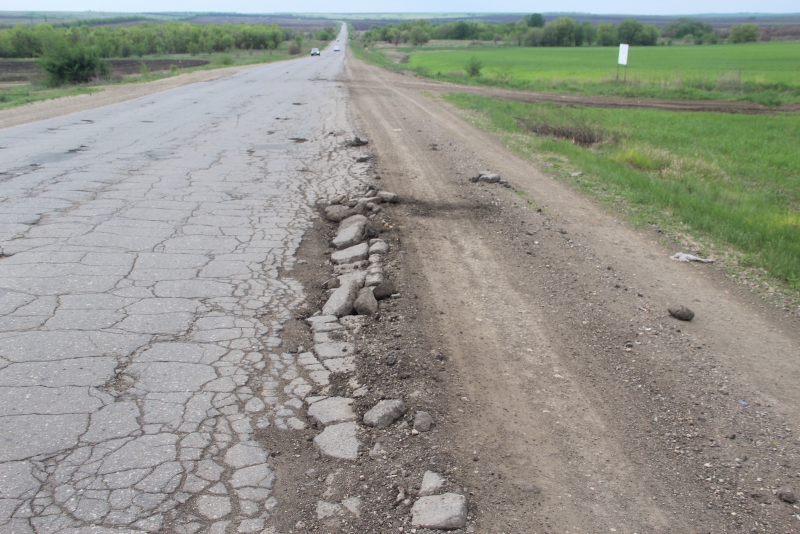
(408,80)
(108,94)
(574,401)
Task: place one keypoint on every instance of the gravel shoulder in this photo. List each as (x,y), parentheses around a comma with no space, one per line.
(573,400)
(109,94)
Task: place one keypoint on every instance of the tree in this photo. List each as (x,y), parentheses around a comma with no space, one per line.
(560,32)
(629,30)
(534,21)
(589,33)
(746,33)
(418,36)
(72,63)
(607,35)
(534,37)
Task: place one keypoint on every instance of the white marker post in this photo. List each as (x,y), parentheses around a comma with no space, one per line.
(623,60)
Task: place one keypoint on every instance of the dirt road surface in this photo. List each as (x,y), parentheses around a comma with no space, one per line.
(569,373)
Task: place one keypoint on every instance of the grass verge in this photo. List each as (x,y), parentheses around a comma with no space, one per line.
(25,94)
(730,180)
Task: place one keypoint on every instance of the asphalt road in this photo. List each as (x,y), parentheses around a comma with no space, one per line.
(143,282)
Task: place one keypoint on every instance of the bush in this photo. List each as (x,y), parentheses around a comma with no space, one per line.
(143,69)
(294,49)
(224,59)
(173,69)
(76,63)
(746,33)
(473,67)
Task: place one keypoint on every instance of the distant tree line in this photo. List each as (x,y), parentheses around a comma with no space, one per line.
(532,30)
(26,41)
(76,54)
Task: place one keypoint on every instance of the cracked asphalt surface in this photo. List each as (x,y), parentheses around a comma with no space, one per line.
(146,250)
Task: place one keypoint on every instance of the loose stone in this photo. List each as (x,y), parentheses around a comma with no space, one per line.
(423,422)
(385,413)
(365,303)
(341,300)
(681,312)
(441,512)
(386,196)
(384,290)
(337,213)
(352,254)
(431,484)
(339,441)
(379,247)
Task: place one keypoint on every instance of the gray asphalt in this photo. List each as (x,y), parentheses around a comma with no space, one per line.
(145,273)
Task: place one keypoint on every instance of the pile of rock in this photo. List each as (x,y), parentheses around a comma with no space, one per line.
(359,282)
(490,178)
(339,208)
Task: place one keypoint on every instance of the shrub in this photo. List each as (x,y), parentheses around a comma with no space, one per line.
(294,49)
(746,33)
(223,59)
(173,69)
(143,69)
(72,63)
(473,67)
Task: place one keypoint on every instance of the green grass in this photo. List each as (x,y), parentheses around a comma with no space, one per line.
(25,94)
(731,179)
(763,72)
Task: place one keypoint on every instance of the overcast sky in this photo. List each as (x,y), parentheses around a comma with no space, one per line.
(418,6)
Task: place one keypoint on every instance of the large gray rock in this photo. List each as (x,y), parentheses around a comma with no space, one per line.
(332,410)
(354,220)
(365,303)
(386,196)
(379,247)
(351,254)
(337,213)
(441,512)
(373,279)
(341,300)
(384,290)
(350,235)
(431,484)
(339,441)
(385,413)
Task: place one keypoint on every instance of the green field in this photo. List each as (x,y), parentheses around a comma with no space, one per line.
(762,72)
(733,179)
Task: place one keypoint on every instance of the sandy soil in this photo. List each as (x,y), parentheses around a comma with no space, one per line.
(576,403)
(109,94)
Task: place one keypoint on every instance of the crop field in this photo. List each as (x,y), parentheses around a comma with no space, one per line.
(758,62)
(732,178)
(763,72)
